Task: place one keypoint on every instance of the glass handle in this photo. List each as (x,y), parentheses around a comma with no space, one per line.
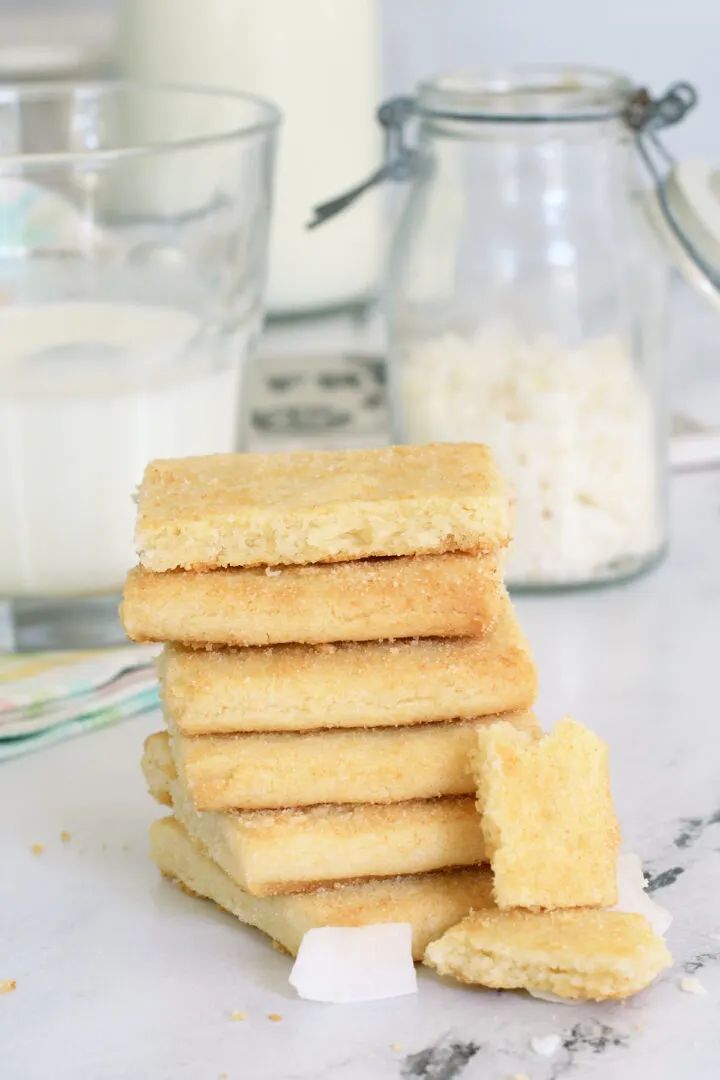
(393,115)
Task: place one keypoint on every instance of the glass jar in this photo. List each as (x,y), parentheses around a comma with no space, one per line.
(525,304)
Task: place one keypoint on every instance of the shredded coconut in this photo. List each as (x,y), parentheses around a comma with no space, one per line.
(572,429)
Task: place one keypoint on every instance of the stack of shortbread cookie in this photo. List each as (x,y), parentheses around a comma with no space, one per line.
(337,633)
(346,692)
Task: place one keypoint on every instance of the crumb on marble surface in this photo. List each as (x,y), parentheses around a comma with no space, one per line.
(397,1047)
(236,1014)
(275,1017)
(65,836)
(690,984)
(546,1045)
(7,986)
(37,849)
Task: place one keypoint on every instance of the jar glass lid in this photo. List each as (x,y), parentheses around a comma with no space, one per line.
(549,92)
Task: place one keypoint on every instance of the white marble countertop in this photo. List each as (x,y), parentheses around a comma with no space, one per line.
(121,975)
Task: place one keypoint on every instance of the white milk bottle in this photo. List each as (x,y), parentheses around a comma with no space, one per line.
(319,61)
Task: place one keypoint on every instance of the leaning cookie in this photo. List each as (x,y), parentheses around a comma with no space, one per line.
(547,816)
(580,954)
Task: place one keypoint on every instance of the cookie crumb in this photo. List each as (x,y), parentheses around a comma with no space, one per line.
(7,986)
(125,847)
(690,984)
(65,836)
(397,1047)
(37,849)
(275,1017)
(237,1015)
(545,1045)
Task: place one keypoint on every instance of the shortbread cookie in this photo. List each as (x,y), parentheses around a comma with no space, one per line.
(582,954)
(319,506)
(370,684)
(547,816)
(279,851)
(429,902)
(452,595)
(383,765)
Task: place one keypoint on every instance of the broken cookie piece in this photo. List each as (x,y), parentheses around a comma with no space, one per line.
(582,954)
(547,816)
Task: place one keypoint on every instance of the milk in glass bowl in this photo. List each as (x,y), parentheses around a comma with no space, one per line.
(133,240)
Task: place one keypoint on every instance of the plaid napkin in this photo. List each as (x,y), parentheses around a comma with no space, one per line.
(48,697)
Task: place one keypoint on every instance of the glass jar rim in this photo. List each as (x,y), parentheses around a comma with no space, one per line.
(262,119)
(528,93)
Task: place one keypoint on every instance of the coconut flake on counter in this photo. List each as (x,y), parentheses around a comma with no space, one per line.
(690,984)
(554,999)
(344,964)
(633,898)
(546,1045)
(572,429)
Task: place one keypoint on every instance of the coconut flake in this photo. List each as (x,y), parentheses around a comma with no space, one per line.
(341,964)
(632,897)
(554,999)
(546,1045)
(690,984)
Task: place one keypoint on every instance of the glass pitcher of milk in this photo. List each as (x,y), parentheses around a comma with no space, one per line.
(124,324)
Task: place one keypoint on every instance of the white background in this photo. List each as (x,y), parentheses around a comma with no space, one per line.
(655,41)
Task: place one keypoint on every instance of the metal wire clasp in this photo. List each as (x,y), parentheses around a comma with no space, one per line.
(393,115)
(647,116)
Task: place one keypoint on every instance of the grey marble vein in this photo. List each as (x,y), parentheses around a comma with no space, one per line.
(701,960)
(442,1060)
(664,878)
(693,828)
